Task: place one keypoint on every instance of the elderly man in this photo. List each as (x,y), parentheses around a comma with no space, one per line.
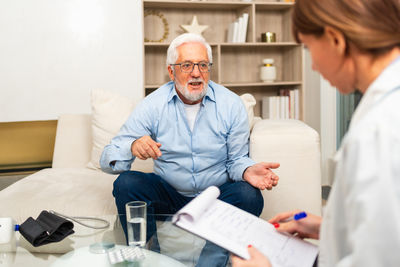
(197,133)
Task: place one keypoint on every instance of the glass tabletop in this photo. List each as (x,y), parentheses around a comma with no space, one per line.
(176,246)
(175,242)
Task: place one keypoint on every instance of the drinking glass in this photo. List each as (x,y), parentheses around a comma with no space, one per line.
(136,223)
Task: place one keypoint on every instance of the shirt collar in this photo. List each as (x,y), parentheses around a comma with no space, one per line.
(209,95)
(386,81)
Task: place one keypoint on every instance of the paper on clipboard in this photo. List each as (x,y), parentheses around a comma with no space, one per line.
(234,229)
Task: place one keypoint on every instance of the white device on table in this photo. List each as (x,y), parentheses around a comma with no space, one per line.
(7,229)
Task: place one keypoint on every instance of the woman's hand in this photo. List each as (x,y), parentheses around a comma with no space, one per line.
(307,227)
(257,259)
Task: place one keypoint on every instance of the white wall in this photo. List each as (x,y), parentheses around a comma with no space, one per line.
(54,52)
(320,114)
(312,94)
(328,131)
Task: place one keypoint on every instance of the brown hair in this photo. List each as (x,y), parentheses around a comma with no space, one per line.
(371,25)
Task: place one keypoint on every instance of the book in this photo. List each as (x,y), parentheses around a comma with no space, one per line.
(243,29)
(234,229)
(235,32)
(276,102)
(240,30)
(265,107)
(284,95)
(296,104)
(272,108)
(291,106)
(287,107)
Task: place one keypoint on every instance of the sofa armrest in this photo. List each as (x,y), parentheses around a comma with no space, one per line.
(296,147)
(73,141)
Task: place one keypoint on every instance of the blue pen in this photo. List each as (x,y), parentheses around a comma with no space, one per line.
(296,217)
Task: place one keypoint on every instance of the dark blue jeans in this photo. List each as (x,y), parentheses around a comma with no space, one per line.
(162,198)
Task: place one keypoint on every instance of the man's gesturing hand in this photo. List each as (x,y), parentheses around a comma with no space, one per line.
(259,175)
(145,147)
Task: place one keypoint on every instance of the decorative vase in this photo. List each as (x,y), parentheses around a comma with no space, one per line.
(268,70)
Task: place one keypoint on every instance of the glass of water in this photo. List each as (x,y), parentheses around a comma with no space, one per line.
(136,223)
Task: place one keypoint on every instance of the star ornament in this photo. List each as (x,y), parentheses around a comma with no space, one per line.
(194,27)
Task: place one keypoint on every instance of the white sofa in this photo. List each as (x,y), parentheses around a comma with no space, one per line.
(70,187)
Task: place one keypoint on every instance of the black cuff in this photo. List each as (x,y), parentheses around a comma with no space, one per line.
(47,228)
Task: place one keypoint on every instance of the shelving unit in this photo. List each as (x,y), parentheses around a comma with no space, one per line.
(235,65)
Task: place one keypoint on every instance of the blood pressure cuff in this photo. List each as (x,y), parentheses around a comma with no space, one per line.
(47,228)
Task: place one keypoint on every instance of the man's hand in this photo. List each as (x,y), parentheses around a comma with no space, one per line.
(260,175)
(145,147)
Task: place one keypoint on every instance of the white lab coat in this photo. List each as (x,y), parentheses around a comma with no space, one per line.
(361,222)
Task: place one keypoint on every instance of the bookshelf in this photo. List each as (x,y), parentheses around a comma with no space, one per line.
(235,65)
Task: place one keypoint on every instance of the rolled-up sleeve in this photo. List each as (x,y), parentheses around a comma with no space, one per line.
(117,156)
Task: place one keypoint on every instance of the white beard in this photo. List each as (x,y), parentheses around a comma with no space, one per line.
(192,96)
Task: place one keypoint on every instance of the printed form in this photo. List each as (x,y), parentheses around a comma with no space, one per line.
(234,229)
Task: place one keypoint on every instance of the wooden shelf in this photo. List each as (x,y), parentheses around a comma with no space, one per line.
(235,65)
(256,84)
(187,4)
(263,84)
(248,44)
(273,5)
(259,44)
(195,4)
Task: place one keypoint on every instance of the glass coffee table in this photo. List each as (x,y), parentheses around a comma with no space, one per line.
(178,248)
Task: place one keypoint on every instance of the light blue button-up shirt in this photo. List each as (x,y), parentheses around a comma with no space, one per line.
(215,151)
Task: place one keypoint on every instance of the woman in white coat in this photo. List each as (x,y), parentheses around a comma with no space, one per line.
(355,45)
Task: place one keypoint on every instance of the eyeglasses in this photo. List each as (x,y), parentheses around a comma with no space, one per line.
(188,66)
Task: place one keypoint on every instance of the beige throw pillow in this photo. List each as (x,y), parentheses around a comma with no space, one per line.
(249,102)
(109,113)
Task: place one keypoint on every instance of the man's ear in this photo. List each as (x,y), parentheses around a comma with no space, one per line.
(171,72)
(336,39)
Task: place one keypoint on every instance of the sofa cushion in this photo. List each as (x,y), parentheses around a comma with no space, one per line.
(73,144)
(295,146)
(69,191)
(109,113)
(73,191)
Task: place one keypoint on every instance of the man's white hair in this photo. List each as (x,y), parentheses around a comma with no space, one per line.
(172,53)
